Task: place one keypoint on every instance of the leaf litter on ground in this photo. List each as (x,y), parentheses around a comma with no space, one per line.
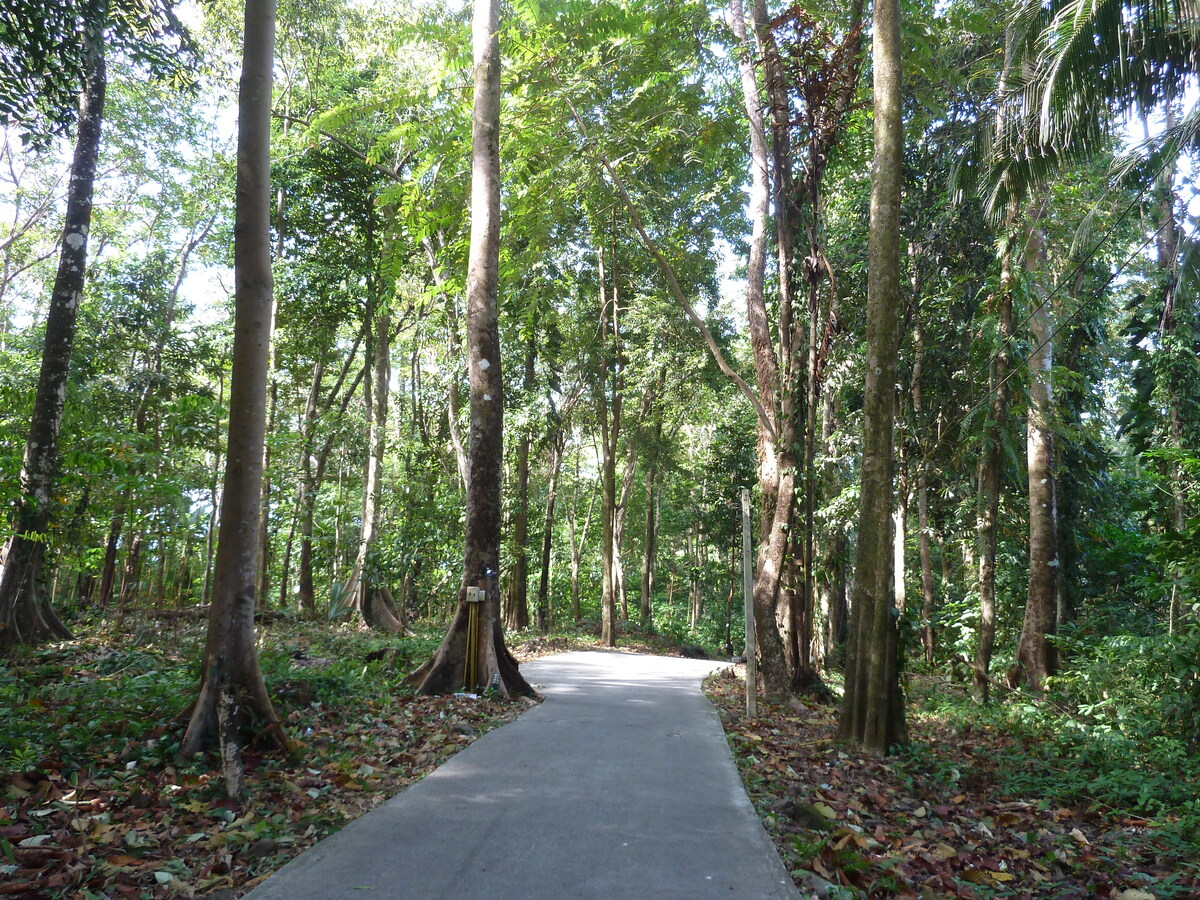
(95,804)
(934,823)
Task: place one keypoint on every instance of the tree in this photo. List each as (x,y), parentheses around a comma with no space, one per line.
(25,613)
(488,662)
(231,675)
(43,62)
(872,713)
(49,78)
(1036,659)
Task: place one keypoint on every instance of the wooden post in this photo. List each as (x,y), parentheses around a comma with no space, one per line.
(748,592)
(475,596)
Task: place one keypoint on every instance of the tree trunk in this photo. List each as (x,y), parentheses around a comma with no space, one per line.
(608,409)
(872,713)
(489,662)
(1035,654)
(608,503)
(454,399)
(776,480)
(25,614)
(518,611)
(991,474)
(650,544)
(304,605)
(133,567)
(831,584)
(576,546)
(108,570)
(230,664)
(923,544)
(544,613)
(367,591)
(312,474)
(264,531)
(900,538)
(214,496)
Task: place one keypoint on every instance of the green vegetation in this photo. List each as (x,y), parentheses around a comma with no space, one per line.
(682,314)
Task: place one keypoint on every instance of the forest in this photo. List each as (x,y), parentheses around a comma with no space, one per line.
(332,337)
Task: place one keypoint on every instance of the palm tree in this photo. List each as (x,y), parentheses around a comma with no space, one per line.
(1076,68)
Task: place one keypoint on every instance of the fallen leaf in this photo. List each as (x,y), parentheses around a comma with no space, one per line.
(944,852)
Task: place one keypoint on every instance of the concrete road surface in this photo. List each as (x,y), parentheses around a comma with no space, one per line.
(620,785)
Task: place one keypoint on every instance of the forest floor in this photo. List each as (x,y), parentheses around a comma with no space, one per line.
(944,819)
(96,805)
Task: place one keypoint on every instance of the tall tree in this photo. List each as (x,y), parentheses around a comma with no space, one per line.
(25,613)
(872,713)
(777,460)
(231,676)
(473,655)
(1036,658)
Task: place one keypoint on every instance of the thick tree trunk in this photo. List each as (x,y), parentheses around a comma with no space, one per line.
(872,712)
(230,664)
(25,614)
(488,662)
(1035,654)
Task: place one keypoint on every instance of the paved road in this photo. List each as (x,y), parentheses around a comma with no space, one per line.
(620,785)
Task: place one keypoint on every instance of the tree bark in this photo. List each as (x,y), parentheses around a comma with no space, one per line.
(230,664)
(776,480)
(492,662)
(872,713)
(1036,659)
(26,615)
